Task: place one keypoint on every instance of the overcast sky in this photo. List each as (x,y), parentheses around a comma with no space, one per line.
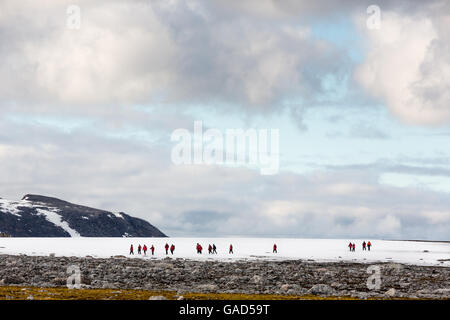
(88,106)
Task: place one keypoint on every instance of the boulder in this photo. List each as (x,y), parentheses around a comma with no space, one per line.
(322,289)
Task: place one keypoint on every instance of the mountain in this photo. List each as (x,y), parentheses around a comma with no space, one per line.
(40,216)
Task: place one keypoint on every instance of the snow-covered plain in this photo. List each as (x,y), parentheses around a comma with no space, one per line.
(323,250)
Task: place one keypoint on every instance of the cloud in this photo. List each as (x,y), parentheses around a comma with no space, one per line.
(85,113)
(227,55)
(177,52)
(360,131)
(368,131)
(121,174)
(425,167)
(389,225)
(114,58)
(407,64)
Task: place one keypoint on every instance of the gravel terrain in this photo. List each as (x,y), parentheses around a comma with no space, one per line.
(294,277)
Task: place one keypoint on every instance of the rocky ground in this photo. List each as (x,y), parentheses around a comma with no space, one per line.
(252,277)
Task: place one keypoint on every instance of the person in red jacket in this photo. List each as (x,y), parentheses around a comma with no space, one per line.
(231,249)
(199,248)
(152,248)
(131,250)
(353,246)
(172,248)
(139,249)
(350,246)
(369,245)
(167,248)
(274,248)
(145,249)
(210,249)
(364,246)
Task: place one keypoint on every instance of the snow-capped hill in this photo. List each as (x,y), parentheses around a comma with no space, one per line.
(40,216)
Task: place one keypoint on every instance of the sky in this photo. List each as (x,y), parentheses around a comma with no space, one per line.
(91,93)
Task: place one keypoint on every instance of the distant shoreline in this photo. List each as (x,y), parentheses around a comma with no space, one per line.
(433,241)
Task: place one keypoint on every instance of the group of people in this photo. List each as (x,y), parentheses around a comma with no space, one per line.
(368,244)
(365,245)
(212,249)
(172,248)
(141,249)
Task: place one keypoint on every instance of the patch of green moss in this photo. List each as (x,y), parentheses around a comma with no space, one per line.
(63,293)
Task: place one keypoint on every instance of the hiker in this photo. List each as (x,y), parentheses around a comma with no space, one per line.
(209,249)
(139,249)
(145,249)
(231,249)
(369,245)
(214,249)
(199,248)
(364,246)
(350,246)
(172,248)
(167,248)
(152,248)
(353,247)
(131,250)
(274,248)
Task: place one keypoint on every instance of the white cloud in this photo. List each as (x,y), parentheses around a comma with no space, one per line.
(120,54)
(128,53)
(389,225)
(347,188)
(437,217)
(401,180)
(408,65)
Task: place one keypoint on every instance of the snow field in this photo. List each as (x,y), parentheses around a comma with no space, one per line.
(320,250)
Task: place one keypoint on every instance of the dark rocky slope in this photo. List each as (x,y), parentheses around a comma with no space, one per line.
(40,216)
